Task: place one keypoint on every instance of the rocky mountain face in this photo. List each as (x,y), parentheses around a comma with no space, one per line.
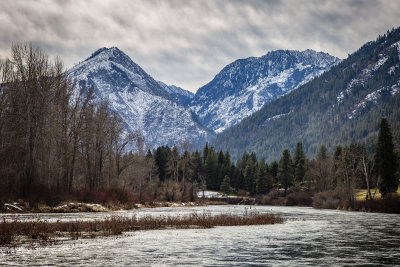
(142,102)
(344,104)
(181,95)
(245,85)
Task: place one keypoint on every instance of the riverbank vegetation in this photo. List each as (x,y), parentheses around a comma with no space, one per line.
(58,145)
(15,233)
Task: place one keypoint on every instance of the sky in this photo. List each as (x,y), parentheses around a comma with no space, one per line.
(187,42)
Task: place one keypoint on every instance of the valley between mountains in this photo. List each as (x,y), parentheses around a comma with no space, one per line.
(168,115)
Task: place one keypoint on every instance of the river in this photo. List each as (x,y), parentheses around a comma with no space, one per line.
(309,237)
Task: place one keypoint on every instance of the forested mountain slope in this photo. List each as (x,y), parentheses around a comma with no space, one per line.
(344,104)
(245,85)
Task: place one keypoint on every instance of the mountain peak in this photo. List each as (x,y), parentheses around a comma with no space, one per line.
(120,69)
(245,85)
(343,105)
(141,102)
(112,53)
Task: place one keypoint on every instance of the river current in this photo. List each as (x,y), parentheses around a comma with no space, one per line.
(309,237)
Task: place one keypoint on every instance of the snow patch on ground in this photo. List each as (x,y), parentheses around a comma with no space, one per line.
(276,117)
(212,194)
(362,78)
(372,98)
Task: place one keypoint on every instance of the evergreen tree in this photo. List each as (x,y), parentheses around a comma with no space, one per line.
(205,153)
(148,154)
(299,163)
(322,153)
(197,168)
(161,160)
(273,170)
(211,170)
(262,183)
(285,170)
(385,160)
(249,176)
(221,170)
(226,185)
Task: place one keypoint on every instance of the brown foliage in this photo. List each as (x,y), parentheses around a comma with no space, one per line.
(389,204)
(117,225)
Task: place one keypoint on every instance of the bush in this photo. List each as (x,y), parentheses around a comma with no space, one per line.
(390,204)
(174,191)
(328,200)
(274,197)
(242,193)
(300,198)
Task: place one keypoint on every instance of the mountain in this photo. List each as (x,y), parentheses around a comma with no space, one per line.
(182,96)
(140,100)
(244,86)
(344,104)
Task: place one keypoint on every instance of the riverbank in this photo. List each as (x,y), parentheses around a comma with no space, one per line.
(321,200)
(71,207)
(16,233)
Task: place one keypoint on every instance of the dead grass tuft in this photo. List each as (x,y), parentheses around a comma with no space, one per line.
(116,225)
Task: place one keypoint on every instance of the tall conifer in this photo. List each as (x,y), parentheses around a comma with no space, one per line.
(285,170)
(385,160)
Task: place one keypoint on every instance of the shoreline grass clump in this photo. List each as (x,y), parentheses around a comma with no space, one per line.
(16,233)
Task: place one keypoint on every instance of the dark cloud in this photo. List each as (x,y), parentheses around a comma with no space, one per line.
(186,42)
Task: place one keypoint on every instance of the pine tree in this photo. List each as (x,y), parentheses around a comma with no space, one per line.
(161,160)
(285,170)
(299,163)
(322,153)
(197,168)
(273,170)
(205,153)
(226,185)
(249,176)
(385,160)
(211,171)
(262,185)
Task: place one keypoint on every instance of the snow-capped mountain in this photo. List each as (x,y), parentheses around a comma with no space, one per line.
(343,105)
(245,85)
(181,95)
(140,100)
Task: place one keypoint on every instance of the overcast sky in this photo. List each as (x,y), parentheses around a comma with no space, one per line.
(186,42)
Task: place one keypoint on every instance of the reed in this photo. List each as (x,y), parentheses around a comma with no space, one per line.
(116,225)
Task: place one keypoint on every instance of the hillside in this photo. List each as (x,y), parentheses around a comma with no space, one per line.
(343,105)
(245,85)
(141,102)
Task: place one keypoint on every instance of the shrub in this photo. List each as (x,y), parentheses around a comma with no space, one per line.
(326,200)
(274,197)
(300,198)
(389,204)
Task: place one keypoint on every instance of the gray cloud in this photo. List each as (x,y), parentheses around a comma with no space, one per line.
(187,42)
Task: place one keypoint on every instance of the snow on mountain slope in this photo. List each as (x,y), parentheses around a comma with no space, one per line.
(245,85)
(181,95)
(140,101)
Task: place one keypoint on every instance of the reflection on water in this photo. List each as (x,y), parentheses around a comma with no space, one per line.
(309,237)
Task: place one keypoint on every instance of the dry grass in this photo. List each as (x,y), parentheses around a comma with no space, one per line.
(10,232)
(361,194)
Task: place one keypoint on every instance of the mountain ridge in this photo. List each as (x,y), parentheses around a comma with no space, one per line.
(139,99)
(245,85)
(344,104)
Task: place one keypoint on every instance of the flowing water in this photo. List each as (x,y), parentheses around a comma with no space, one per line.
(309,237)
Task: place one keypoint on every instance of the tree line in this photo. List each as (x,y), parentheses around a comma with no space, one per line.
(54,138)
(314,114)
(57,143)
